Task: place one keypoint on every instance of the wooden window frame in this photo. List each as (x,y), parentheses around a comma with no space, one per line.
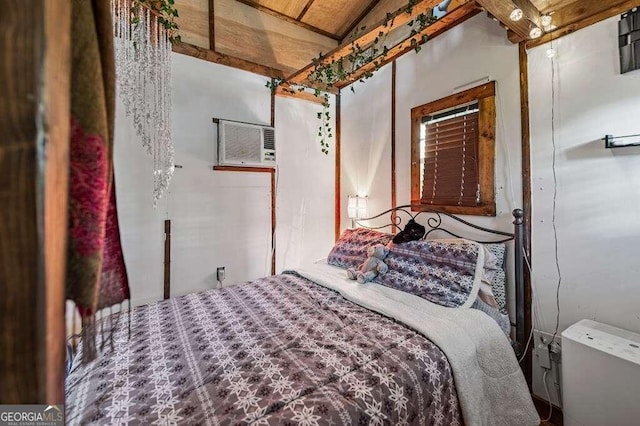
(485,94)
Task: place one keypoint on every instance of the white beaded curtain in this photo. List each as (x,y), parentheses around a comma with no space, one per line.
(143,82)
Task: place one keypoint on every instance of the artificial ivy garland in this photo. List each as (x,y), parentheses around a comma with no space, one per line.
(344,68)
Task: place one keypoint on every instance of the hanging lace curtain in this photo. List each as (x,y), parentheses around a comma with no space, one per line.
(143,82)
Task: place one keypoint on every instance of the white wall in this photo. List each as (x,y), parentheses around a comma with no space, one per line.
(305,185)
(470,51)
(220,218)
(598,192)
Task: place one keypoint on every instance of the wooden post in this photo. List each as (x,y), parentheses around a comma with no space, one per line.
(167,259)
(526,198)
(337,190)
(34,164)
(394,200)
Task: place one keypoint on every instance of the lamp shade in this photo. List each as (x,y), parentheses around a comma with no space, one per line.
(357,207)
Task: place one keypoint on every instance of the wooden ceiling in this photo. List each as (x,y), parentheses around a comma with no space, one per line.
(279,38)
(332,18)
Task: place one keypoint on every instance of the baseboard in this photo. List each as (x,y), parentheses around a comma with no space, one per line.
(542,407)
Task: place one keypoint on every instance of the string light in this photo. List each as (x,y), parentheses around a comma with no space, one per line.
(516,15)
(551,52)
(535,32)
(545,20)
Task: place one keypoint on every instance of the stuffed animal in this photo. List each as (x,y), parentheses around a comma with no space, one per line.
(412,231)
(371,267)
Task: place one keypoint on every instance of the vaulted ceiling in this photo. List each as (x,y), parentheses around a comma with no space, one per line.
(279,38)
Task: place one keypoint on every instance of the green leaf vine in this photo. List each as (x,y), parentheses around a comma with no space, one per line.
(347,67)
(166,12)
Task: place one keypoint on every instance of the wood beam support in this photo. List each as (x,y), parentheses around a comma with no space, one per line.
(289,19)
(167,259)
(337,190)
(305,96)
(448,21)
(501,9)
(581,14)
(399,17)
(305,9)
(35,52)
(230,61)
(526,199)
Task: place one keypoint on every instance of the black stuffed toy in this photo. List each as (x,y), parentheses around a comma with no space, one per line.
(413,231)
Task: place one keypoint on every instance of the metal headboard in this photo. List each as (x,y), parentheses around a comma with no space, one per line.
(435,223)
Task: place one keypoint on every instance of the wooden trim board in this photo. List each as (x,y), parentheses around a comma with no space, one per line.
(337,172)
(394,201)
(526,199)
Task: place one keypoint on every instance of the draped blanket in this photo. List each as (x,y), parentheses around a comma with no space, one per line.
(96,274)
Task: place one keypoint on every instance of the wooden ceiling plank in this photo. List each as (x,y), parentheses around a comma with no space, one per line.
(304,11)
(365,12)
(501,10)
(547,6)
(578,15)
(400,17)
(289,19)
(448,21)
(231,61)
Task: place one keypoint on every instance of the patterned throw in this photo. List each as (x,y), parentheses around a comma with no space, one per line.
(279,350)
(96,275)
(440,271)
(350,251)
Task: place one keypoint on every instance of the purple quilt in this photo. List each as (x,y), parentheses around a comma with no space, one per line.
(279,350)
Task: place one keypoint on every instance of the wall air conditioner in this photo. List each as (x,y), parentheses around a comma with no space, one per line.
(243,144)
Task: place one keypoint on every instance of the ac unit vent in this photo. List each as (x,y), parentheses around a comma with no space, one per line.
(269,138)
(243,144)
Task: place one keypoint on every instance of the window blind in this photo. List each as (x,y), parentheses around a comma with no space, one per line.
(450,166)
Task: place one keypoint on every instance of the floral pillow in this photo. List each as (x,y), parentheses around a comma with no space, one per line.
(445,272)
(350,251)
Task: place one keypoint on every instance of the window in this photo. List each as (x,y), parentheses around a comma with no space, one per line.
(453,153)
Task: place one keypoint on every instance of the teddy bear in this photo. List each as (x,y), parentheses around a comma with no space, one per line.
(371,267)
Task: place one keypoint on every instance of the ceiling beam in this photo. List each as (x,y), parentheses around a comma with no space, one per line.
(501,9)
(289,19)
(304,10)
(398,18)
(305,96)
(359,19)
(448,21)
(230,61)
(581,14)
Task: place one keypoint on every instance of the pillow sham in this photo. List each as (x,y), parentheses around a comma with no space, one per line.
(498,278)
(494,278)
(445,272)
(350,251)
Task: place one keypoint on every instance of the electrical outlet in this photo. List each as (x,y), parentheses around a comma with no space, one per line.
(220,274)
(547,357)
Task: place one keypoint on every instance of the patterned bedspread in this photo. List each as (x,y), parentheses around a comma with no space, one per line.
(279,350)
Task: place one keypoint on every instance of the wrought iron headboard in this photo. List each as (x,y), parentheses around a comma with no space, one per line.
(435,223)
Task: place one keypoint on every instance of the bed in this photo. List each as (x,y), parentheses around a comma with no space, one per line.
(308,346)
